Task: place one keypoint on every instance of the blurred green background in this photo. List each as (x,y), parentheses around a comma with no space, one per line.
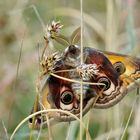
(111,25)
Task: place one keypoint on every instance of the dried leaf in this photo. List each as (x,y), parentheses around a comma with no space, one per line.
(76,36)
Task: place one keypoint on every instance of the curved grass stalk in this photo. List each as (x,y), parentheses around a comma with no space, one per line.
(45,111)
(75,81)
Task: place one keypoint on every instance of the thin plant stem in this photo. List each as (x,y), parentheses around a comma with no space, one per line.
(81,85)
(5,130)
(126,127)
(16,79)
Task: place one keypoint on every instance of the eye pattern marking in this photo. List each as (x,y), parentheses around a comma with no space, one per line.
(106,83)
(66,100)
(66,97)
(119,67)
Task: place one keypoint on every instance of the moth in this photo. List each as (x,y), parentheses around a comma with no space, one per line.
(106,78)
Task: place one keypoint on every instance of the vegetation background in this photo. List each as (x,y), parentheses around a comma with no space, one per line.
(111,25)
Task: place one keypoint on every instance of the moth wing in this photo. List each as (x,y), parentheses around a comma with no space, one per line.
(131,76)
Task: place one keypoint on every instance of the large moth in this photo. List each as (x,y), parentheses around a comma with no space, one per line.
(106,78)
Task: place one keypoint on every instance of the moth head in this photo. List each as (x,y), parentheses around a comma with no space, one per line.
(71,55)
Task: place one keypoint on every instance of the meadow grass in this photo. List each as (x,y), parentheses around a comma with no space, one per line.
(110,25)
